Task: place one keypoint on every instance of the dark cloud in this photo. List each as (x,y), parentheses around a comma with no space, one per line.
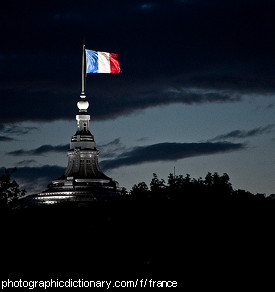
(16,129)
(36,179)
(121,100)
(6,139)
(168,152)
(147,6)
(13,129)
(114,143)
(244,134)
(26,162)
(167,49)
(143,139)
(111,149)
(40,150)
(20,130)
(132,102)
(32,173)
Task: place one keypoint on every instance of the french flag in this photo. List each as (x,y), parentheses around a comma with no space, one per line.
(101,62)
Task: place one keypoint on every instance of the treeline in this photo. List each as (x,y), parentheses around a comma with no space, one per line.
(179,187)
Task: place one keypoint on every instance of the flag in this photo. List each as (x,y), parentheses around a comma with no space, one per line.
(101,62)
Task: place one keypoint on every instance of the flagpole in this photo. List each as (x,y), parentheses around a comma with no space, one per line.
(82,95)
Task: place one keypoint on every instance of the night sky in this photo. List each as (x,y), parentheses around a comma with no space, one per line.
(196,91)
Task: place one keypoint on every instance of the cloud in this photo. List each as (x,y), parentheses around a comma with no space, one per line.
(146,6)
(123,99)
(107,150)
(27,162)
(135,101)
(111,149)
(244,134)
(271,105)
(143,139)
(40,150)
(31,173)
(16,129)
(168,152)
(13,129)
(6,139)
(114,143)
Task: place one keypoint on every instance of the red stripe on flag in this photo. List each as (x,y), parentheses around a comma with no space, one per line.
(114,63)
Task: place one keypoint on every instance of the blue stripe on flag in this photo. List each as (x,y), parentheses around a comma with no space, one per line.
(92,61)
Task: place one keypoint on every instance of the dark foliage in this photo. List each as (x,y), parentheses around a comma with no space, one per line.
(9,189)
(213,187)
(199,232)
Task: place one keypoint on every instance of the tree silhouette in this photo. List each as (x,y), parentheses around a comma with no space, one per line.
(178,182)
(212,187)
(9,189)
(218,185)
(139,188)
(156,184)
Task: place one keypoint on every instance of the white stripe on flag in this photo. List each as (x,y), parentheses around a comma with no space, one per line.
(104,62)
